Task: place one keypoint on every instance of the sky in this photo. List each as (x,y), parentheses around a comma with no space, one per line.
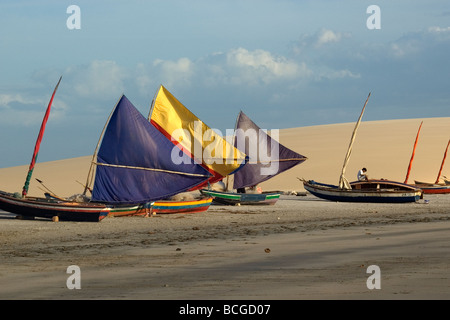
(285,63)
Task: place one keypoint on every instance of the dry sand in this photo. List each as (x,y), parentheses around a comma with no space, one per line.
(301,248)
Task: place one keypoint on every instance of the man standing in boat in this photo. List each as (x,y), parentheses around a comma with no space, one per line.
(362,175)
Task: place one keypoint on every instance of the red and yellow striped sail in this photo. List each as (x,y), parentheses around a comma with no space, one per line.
(194,137)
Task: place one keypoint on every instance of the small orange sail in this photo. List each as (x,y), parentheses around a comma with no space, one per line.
(413,152)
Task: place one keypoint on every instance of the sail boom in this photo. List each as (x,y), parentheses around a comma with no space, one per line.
(149,169)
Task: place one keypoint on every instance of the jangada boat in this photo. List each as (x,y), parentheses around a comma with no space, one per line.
(386,191)
(382,191)
(126,182)
(170,116)
(134,171)
(30,207)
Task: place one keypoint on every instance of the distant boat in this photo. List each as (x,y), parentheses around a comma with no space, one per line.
(377,191)
(429,188)
(134,173)
(31,207)
(256,171)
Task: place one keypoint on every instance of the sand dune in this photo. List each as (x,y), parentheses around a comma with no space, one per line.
(384,147)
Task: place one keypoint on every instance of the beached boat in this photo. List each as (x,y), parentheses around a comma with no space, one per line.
(134,170)
(429,188)
(184,206)
(196,138)
(382,191)
(267,158)
(31,207)
(234,198)
(363,191)
(35,207)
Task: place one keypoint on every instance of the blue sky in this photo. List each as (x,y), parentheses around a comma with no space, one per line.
(284,63)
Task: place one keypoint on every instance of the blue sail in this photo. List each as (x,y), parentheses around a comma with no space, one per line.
(134,161)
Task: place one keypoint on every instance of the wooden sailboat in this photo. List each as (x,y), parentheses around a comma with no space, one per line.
(134,172)
(186,131)
(257,169)
(385,191)
(31,207)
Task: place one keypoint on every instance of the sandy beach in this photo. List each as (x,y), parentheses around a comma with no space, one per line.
(301,248)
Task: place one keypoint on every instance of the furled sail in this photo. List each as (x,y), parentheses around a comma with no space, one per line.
(412,154)
(267,157)
(198,140)
(134,161)
(38,142)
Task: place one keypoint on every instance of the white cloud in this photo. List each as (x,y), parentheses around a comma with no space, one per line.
(7,99)
(101,78)
(337,74)
(438,29)
(327,36)
(318,40)
(260,65)
(174,72)
(415,43)
(28,110)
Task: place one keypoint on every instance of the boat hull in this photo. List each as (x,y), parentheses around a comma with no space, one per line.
(233,198)
(132,210)
(48,209)
(191,206)
(163,207)
(435,189)
(398,193)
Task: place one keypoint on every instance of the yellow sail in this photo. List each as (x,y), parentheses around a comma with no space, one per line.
(189,133)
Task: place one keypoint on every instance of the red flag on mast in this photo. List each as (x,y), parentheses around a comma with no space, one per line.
(38,143)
